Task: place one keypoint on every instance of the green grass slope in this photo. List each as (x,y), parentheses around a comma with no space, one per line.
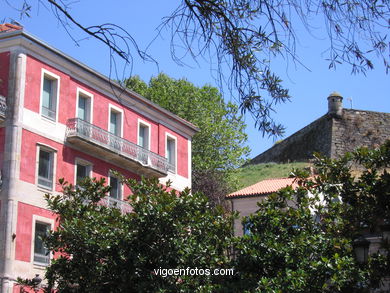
(251,174)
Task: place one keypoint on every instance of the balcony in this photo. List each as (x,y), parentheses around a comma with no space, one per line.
(101,143)
(116,203)
(3,108)
(111,202)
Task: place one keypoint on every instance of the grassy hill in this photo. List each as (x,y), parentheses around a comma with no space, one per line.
(251,174)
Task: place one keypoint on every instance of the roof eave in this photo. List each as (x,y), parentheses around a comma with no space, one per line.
(22,33)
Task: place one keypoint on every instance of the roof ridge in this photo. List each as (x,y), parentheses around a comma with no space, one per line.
(264,186)
(277,178)
(5,27)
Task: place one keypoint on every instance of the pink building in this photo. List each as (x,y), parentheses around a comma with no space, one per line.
(244,201)
(61,119)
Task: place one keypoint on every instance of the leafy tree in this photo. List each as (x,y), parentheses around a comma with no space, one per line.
(100,249)
(302,240)
(362,182)
(242,38)
(289,251)
(218,148)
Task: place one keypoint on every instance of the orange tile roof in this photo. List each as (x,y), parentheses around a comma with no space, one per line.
(8,27)
(264,187)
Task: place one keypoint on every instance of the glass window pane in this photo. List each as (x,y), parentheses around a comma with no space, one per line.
(171,151)
(247,228)
(141,136)
(41,253)
(47,100)
(44,164)
(45,169)
(82,109)
(81,172)
(114,123)
(144,136)
(115,189)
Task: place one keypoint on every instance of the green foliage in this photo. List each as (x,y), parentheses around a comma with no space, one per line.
(249,35)
(240,40)
(219,145)
(100,249)
(289,251)
(362,181)
(300,240)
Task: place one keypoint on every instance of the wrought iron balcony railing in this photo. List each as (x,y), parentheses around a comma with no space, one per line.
(111,202)
(126,152)
(3,107)
(171,167)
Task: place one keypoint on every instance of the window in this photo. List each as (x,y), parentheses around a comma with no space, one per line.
(143,136)
(115,128)
(116,188)
(83,109)
(144,142)
(41,253)
(45,168)
(84,105)
(247,227)
(171,154)
(49,96)
(115,123)
(83,170)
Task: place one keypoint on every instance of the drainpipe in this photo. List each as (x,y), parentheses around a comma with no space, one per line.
(10,168)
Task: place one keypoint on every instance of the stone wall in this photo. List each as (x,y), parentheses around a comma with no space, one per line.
(359,128)
(300,146)
(332,136)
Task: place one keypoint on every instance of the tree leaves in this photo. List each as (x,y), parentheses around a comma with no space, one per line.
(219,147)
(240,40)
(102,250)
(300,240)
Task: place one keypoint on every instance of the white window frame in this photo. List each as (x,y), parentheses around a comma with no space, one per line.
(112,108)
(46,221)
(53,151)
(87,95)
(144,124)
(79,161)
(52,76)
(110,174)
(169,136)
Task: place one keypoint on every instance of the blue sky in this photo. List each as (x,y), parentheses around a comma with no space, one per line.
(308,88)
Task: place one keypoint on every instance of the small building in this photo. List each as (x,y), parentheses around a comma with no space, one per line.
(335,133)
(61,119)
(245,200)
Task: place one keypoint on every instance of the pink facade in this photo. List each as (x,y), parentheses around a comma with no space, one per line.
(4,70)
(45,91)
(66,159)
(24,229)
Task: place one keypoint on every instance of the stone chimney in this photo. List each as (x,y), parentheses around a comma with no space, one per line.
(335,105)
